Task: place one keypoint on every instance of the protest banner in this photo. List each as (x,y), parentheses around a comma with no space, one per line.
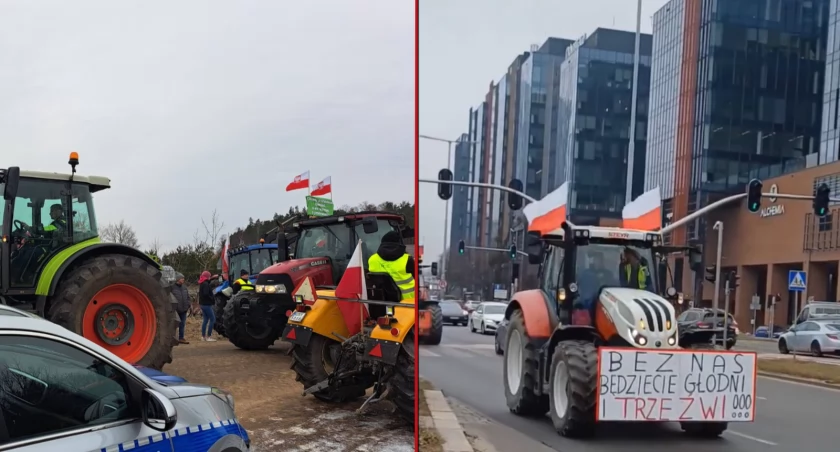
(675,385)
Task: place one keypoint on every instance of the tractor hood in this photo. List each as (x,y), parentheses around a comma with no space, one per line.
(295,266)
(290,273)
(638,313)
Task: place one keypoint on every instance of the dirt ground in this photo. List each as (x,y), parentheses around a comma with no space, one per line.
(269,402)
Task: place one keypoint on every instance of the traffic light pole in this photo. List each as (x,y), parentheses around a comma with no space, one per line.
(506,250)
(719,228)
(479,185)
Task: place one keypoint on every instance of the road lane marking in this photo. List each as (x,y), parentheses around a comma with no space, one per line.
(807,385)
(761,398)
(471,346)
(751,438)
(425,352)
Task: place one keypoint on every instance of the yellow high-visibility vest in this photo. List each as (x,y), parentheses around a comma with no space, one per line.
(396,269)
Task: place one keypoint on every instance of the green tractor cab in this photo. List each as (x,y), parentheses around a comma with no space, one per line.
(53,264)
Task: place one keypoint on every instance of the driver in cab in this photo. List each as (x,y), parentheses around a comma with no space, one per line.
(634,271)
(391,258)
(58,223)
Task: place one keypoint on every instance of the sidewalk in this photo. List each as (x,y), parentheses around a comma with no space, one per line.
(464,430)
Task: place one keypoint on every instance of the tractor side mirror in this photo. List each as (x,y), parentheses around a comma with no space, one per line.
(695,260)
(534,248)
(12,180)
(407,232)
(434,268)
(282,247)
(370,225)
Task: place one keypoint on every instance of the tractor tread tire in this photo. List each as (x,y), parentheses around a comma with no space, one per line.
(526,402)
(402,383)
(581,359)
(74,291)
(704,430)
(308,373)
(235,329)
(436,333)
(219,303)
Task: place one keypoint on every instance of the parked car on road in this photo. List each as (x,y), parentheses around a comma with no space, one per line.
(706,320)
(487,317)
(453,313)
(470,305)
(61,391)
(764,332)
(816,337)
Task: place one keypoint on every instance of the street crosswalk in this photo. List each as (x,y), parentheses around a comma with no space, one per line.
(457,351)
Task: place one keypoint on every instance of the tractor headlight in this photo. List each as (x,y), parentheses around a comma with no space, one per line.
(389,310)
(672,340)
(275,288)
(638,338)
(225,396)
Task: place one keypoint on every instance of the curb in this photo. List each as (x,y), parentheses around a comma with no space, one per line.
(446,423)
(807,381)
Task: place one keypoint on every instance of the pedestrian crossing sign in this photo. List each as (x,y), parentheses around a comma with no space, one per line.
(797,280)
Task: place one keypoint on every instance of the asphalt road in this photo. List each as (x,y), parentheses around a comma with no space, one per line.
(789,416)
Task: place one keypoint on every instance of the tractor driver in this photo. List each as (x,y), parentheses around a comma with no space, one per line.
(58,223)
(392,259)
(634,271)
(243,283)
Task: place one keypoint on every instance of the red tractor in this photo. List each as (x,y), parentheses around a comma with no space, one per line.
(317,247)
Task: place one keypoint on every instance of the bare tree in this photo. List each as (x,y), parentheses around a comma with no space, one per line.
(207,242)
(119,233)
(154,247)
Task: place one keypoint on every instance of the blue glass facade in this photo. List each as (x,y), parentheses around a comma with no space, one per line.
(829,132)
(459,227)
(593,122)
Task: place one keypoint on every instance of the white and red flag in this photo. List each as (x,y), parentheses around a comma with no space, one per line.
(352,285)
(225,261)
(323,187)
(301,181)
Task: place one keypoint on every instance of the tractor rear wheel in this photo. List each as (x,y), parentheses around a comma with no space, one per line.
(402,383)
(707,430)
(120,303)
(220,301)
(240,333)
(574,378)
(315,362)
(521,371)
(436,333)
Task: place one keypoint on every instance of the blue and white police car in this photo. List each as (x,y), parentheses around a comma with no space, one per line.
(61,392)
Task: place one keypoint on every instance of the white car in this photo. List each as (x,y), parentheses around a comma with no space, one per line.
(487,317)
(60,391)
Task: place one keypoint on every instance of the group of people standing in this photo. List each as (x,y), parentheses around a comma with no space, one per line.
(206,283)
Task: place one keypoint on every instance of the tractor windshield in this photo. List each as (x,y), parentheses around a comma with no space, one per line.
(261,259)
(331,241)
(238,262)
(370,242)
(614,265)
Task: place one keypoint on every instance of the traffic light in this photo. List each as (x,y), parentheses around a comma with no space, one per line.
(711,273)
(434,268)
(821,200)
(754,195)
(514,272)
(445,190)
(514,200)
(733,279)
(513,252)
(461,247)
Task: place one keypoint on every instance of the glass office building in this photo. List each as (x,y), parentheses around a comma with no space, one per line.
(593,123)
(737,93)
(459,228)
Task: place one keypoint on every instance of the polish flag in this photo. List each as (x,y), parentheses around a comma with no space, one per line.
(352,285)
(547,214)
(301,181)
(225,261)
(323,187)
(643,213)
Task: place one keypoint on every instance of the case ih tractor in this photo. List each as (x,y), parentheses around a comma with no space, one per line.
(551,353)
(254,320)
(254,258)
(346,341)
(53,264)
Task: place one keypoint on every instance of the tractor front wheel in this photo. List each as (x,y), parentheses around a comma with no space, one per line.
(436,333)
(521,371)
(574,378)
(315,362)
(242,334)
(704,430)
(402,383)
(220,301)
(120,303)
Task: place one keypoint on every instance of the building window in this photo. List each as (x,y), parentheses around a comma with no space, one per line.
(825,224)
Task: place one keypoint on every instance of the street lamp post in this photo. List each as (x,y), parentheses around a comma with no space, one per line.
(443,264)
(631,149)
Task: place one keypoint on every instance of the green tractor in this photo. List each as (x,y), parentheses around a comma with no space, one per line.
(53,264)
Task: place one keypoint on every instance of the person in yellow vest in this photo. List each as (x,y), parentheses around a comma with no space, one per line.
(58,222)
(392,259)
(243,283)
(634,271)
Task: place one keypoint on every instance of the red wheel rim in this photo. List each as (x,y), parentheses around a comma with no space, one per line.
(118,310)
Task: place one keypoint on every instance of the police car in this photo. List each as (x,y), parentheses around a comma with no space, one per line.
(61,392)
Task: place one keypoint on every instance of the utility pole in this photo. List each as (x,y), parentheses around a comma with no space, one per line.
(719,228)
(631,149)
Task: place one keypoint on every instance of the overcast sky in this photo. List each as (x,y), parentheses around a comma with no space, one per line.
(466,44)
(195,105)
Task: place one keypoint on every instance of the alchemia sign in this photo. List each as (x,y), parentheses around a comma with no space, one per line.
(774,210)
